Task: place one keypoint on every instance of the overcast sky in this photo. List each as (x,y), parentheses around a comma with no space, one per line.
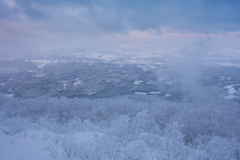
(166,25)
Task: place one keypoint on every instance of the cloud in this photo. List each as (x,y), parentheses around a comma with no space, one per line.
(199,16)
(5,10)
(67,22)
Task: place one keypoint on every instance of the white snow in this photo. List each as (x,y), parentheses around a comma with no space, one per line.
(171,82)
(151,66)
(9,95)
(77,82)
(64,86)
(42,63)
(141,93)
(160,79)
(161,64)
(231,91)
(168,95)
(64,83)
(137,82)
(144,68)
(147,67)
(149,82)
(230,97)
(136,61)
(10,90)
(92,93)
(39,144)
(226,64)
(148,93)
(155,92)
(24,147)
(39,75)
(106,57)
(103,57)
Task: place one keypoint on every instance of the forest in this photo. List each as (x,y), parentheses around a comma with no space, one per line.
(122,128)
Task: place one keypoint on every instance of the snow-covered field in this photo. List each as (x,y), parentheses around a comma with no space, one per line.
(42,144)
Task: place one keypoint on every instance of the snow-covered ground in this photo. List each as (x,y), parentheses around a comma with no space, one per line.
(231,91)
(118,128)
(78,81)
(39,75)
(226,64)
(41,63)
(39,144)
(149,93)
(137,82)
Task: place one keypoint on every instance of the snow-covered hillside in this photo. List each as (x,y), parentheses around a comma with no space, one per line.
(118,128)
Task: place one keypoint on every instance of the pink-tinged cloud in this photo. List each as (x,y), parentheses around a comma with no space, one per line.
(118,24)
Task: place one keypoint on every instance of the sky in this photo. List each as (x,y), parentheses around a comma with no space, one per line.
(164,25)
